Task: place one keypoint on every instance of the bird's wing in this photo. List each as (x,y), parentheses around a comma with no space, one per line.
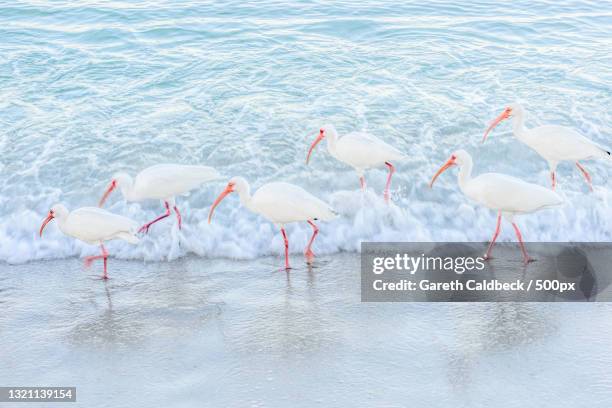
(166,180)
(507,193)
(95,224)
(364,150)
(563,143)
(284,202)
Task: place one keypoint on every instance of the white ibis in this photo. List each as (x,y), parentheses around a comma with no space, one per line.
(162,182)
(509,196)
(93,226)
(361,151)
(554,143)
(280,203)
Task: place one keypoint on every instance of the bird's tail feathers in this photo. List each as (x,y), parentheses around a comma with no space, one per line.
(331,215)
(129,237)
(402,158)
(558,201)
(206,173)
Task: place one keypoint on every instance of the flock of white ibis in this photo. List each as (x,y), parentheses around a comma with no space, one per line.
(282,203)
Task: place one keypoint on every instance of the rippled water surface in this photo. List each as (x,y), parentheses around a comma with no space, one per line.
(91,88)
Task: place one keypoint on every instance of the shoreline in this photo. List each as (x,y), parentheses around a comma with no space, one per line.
(245,333)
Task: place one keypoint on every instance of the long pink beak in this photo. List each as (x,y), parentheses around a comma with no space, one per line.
(449,163)
(229,189)
(109,190)
(45,222)
(314,144)
(503,116)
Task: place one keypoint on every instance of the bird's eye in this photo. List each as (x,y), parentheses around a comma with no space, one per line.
(321,130)
(453,157)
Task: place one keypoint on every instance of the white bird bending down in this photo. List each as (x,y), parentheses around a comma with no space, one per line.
(359,150)
(93,226)
(280,203)
(554,143)
(509,196)
(162,182)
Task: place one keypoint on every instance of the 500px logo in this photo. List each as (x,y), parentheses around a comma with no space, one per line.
(412,264)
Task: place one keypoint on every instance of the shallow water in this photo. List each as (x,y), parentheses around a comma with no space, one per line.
(92,89)
(196,332)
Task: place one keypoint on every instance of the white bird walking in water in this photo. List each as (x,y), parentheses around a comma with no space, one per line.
(93,226)
(554,143)
(162,182)
(361,151)
(509,196)
(280,203)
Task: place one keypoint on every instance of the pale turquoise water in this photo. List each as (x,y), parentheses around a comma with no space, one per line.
(91,89)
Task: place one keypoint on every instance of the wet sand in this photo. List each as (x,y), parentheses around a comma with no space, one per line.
(198,332)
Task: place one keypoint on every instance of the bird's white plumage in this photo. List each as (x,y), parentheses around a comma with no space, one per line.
(554,143)
(280,203)
(363,151)
(510,194)
(165,181)
(95,225)
(557,143)
(283,203)
(500,192)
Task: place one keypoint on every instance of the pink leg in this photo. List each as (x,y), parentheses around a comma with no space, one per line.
(308,253)
(286,249)
(586,175)
(388,185)
(526,257)
(89,260)
(362,182)
(105,276)
(495,235)
(178,216)
(145,228)
(553,177)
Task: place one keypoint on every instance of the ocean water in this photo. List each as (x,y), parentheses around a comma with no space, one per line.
(92,88)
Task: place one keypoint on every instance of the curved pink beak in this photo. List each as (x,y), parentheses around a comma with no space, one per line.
(503,116)
(446,166)
(109,190)
(45,222)
(229,189)
(315,143)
